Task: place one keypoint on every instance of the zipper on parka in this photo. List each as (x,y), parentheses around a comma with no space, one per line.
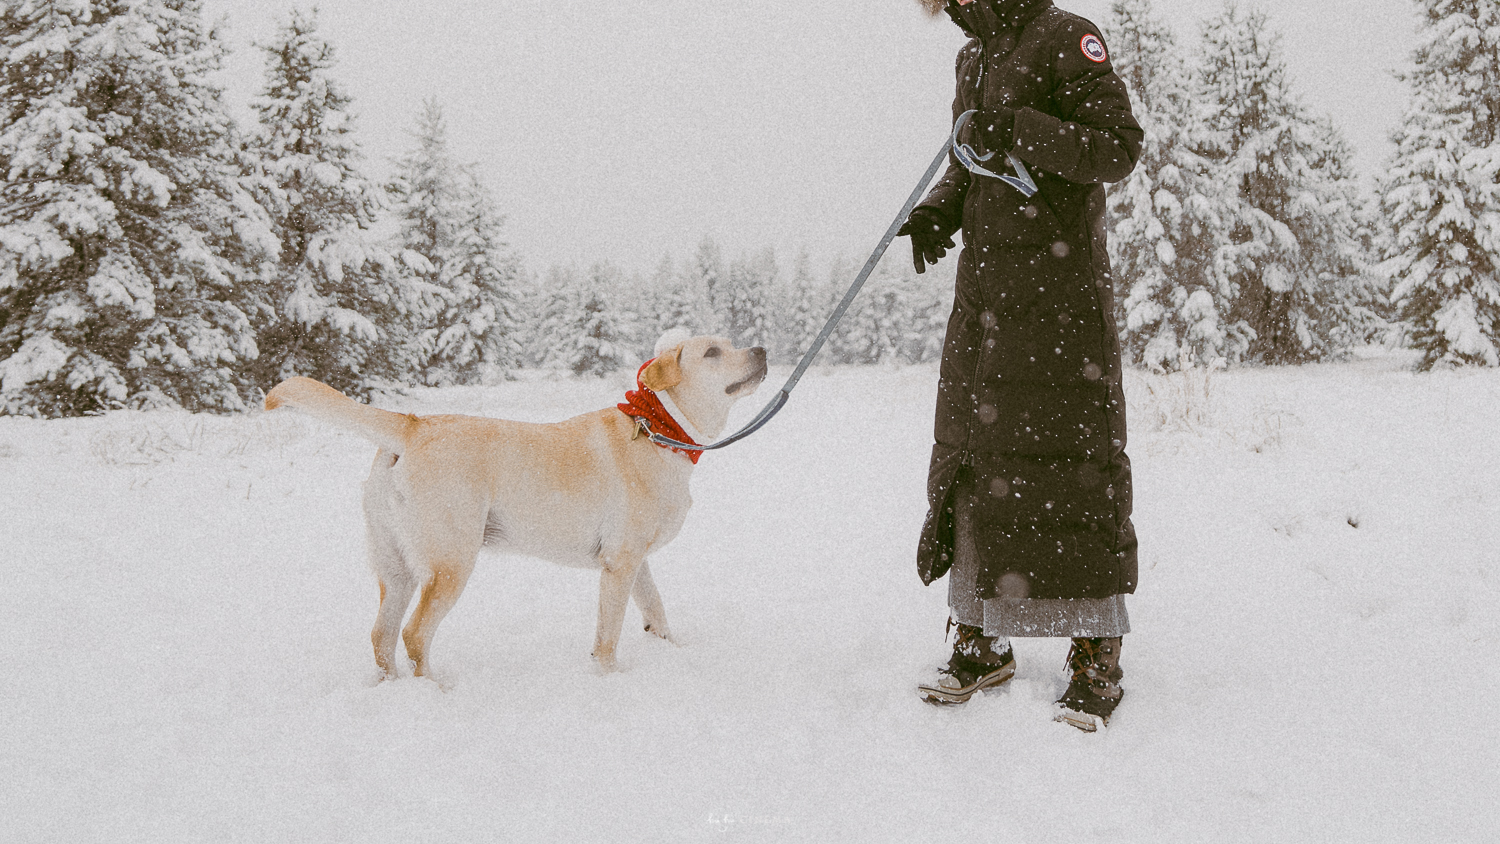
(966,456)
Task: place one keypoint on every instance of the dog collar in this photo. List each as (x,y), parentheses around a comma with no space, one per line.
(655,412)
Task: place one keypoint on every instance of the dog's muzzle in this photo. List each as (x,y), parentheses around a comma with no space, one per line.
(752,382)
(753,379)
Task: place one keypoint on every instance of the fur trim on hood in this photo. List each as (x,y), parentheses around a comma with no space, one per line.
(934,7)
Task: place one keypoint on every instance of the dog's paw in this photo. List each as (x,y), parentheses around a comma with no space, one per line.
(605,660)
(661,631)
(383,674)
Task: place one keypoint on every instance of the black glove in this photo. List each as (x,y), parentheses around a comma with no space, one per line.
(994,129)
(928,243)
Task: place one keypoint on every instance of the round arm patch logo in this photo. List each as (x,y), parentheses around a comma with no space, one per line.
(1093,49)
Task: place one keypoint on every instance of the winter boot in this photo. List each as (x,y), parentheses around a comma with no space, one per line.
(1094,691)
(974,666)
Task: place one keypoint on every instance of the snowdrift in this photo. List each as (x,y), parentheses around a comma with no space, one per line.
(186,613)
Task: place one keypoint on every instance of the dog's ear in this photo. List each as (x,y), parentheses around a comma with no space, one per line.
(665,372)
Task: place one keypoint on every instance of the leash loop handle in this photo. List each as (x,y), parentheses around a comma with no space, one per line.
(780,400)
(973,161)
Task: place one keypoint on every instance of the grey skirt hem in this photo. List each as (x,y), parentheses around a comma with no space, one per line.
(1103,618)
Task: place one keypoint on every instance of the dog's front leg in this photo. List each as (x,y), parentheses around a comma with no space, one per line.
(615,583)
(649,601)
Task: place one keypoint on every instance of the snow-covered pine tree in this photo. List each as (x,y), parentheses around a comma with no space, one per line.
(483,337)
(629,297)
(129,250)
(851,341)
(596,343)
(1294,254)
(675,303)
(706,277)
(807,309)
(1168,216)
(862,336)
(1354,290)
(343,306)
(929,303)
(448,218)
(746,299)
(1442,196)
(556,304)
(895,297)
(887,321)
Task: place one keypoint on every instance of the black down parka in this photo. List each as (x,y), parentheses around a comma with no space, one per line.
(1030,413)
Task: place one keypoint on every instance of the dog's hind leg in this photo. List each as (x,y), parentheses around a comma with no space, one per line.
(439,593)
(649,602)
(396,590)
(444,538)
(388,561)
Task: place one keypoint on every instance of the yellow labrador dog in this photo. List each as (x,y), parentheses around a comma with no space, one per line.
(588,491)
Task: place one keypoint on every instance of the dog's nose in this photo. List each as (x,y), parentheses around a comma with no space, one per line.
(759,352)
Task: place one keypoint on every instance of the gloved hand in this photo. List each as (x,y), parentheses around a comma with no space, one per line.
(991,130)
(928,243)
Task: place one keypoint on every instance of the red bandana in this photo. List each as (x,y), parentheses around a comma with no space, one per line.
(645,404)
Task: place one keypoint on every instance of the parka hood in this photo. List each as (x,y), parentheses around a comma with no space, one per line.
(982,17)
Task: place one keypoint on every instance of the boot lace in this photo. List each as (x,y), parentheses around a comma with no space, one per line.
(1083,659)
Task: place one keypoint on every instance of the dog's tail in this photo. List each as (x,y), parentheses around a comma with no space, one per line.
(388,430)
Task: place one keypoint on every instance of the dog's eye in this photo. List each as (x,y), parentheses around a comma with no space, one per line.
(713,352)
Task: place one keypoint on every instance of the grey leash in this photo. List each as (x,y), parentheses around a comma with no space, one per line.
(1021,181)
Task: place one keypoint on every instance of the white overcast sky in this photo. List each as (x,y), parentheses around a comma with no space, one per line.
(628,129)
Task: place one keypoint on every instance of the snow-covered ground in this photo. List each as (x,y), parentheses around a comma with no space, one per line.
(185,614)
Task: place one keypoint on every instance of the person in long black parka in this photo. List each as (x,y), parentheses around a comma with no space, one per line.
(1029,486)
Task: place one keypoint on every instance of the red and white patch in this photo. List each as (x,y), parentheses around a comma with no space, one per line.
(1093,49)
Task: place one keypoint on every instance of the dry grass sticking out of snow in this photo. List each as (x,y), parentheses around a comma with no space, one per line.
(150,439)
(186,613)
(1191,409)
